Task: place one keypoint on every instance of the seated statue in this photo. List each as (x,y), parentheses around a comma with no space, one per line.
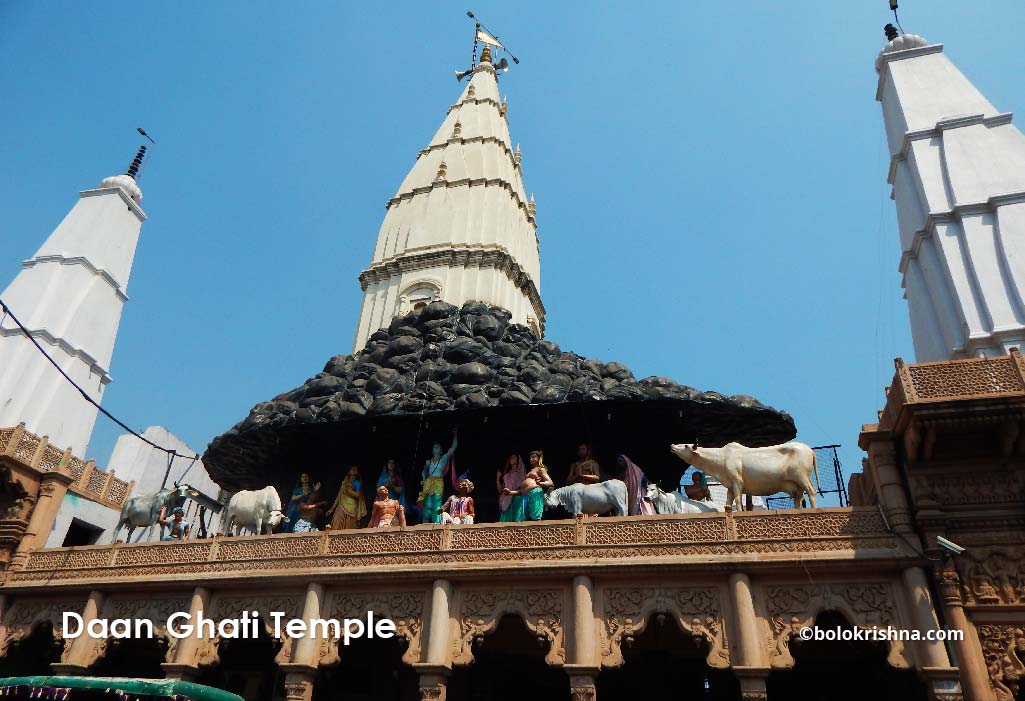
(310,510)
(387,510)
(459,509)
(177,529)
(698,489)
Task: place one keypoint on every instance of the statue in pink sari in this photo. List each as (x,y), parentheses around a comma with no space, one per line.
(509,477)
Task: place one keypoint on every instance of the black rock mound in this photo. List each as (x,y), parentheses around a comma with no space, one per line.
(446,366)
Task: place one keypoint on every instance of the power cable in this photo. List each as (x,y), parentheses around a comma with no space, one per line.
(85,395)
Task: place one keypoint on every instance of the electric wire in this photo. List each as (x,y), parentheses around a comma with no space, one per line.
(85,395)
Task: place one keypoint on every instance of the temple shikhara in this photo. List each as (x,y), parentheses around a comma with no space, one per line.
(576,569)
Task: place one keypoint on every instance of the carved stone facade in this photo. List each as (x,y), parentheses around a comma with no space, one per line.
(480,610)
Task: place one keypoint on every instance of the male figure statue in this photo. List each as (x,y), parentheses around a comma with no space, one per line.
(387,511)
(585,470)
(459,509)
(435,470)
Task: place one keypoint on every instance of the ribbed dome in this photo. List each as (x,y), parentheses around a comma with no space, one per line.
(126,183)
(901,43)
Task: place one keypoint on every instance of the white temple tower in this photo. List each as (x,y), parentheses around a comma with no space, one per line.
(69,296)
(957,168)
(460,226)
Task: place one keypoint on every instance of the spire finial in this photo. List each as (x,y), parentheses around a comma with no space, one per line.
(485,55)
(133,168)
(532,207)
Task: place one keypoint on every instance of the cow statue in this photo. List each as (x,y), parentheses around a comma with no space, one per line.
(144,509)
(257,510)
(756,471)
(672,503)
(607,497)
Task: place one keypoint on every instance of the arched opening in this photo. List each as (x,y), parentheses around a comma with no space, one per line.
(246,667)
(842,670)
(509,665)
(33,654)
(370,669)
(140,655)
(665,661)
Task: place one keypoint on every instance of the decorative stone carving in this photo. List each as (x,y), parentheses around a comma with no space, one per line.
(25,614)
(969,488)
(297,691)
(993,575)
(207,652)
(155,609)
(794,606)
(697,610)
(541,609)
(582,693)
(1003,646)
(404,608)
(432,692)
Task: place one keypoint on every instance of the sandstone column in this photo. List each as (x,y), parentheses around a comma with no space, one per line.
(52,489)
(970,661)
(79,653)
(301,672)
(750,667)
(583,663)
(889,486)
(185,658)
(436,667)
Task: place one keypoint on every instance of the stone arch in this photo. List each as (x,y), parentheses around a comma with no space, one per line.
(869,606)
(404,608)
(233,607)
(25,615)
(156,609)
(542,610)
(627,611)
(418,294)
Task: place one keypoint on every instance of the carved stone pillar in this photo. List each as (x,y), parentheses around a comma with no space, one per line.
(51,494)
(581,682)
(749,666)
(74,663)
(883,456)
(306,650)
(970,661)
(435,669)
(585,631)
(185,665)
(299,681)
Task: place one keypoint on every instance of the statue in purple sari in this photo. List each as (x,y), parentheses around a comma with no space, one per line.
(636,504)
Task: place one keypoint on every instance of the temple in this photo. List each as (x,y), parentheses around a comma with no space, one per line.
(920,580)
(957,167)
(69,296)
(461,226)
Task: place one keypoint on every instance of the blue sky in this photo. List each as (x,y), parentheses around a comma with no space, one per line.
(710,180)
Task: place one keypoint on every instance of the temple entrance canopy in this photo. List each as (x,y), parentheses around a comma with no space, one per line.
(506,390)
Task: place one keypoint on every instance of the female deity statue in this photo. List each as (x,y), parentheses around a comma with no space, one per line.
(528,500)
(635,480)
(433,486)
(387,510)
(585,470)
(459,509)
(349,506)
(509,477)
(302,488)
(392,480)
(310,508)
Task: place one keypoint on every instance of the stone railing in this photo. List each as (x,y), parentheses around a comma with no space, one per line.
(697,540)
(89,481)
(948,380)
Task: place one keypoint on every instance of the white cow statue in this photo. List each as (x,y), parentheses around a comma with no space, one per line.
(259,511)
(607,497)
(756,471)
(672,503)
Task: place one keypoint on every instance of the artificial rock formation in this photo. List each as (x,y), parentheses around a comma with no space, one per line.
(463,361)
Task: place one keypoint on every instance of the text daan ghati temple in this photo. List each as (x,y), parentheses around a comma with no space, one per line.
(700,605)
